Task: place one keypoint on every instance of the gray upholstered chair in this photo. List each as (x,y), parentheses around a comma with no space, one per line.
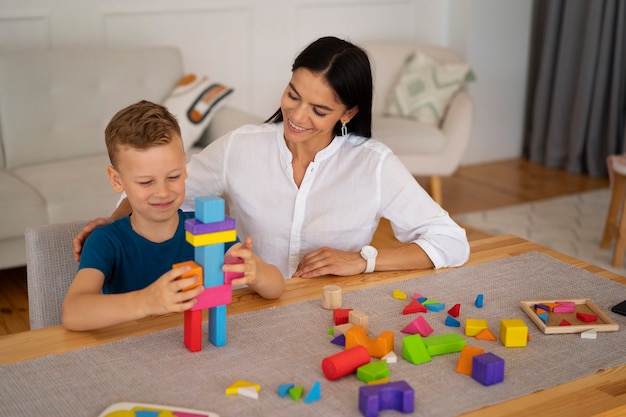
(50,269)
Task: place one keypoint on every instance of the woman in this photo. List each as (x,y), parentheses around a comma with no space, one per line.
(309,185)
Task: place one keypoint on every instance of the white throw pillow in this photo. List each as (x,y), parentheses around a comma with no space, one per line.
(194,101)
(425,88)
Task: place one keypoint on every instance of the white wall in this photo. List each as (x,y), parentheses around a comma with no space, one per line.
(251,44)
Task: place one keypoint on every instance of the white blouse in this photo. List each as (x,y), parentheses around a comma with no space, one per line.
(349,186)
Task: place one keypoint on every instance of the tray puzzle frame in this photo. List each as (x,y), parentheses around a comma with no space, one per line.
(582,305)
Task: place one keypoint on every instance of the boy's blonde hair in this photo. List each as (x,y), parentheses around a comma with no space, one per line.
(141,125)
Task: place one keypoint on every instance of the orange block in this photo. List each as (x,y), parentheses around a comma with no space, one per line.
(464,364)
(485,334)
(377,348)
(196,270)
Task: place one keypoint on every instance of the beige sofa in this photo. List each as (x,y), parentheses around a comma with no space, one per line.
(54,106)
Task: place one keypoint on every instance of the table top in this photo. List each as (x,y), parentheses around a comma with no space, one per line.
(601,394)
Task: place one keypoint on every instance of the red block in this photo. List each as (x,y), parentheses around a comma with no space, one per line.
(341,315)
(346,362)
(455,310)
(192,331)
(414,307)
(587,318)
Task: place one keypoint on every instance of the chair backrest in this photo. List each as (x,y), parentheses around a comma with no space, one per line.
(50,269)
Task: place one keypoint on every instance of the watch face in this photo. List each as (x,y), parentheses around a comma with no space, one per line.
(369,251)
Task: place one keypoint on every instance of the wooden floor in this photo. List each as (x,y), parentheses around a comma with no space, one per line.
(472,188)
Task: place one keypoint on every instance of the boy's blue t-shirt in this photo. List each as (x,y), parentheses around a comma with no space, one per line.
(129,261)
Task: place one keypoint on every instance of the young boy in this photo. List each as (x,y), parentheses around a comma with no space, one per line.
(125,271)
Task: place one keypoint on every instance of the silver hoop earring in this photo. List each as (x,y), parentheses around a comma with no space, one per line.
(344,128)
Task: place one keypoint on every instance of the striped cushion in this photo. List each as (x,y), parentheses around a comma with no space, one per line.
(194,101)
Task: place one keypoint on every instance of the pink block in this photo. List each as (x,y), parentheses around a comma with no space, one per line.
(229,276)
(563,309)
(419,325)
(213,297)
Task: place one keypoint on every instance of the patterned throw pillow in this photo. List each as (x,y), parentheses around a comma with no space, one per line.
(425,88)
(194,101)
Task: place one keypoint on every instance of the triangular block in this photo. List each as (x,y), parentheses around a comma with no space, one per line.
(399,295)
(241,384)
(414,307)
(339,340)
(418,326)
(485,334)
(565,323)
(296,392)
(283,389)
(452,322)
(455,310)
(315,393)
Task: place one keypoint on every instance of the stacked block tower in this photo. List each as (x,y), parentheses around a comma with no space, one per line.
(207,233)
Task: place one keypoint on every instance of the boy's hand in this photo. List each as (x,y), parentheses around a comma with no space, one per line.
(165,295)
(249,266)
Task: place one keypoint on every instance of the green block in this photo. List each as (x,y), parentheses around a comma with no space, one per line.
(296,392)
(414,350)
(372,371)
(444,343)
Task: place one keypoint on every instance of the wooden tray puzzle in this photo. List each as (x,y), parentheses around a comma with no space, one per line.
(583,305)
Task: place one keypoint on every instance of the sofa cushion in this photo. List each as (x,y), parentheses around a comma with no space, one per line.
(20,206)
(194,101)
(425,88)
(56,104)
(422,138)
(74,189)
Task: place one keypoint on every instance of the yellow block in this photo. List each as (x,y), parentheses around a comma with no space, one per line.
(513,333)
(232,390)
(474,326)
(211,238)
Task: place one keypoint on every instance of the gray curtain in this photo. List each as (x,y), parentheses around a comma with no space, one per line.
(576,102)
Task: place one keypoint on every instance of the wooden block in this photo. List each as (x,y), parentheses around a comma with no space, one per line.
(341,315)
(296,392)
(464,364)
(211,258)
(360,318)
(211,238)
(488,368)
(196,270)
(376,348)
(479,300)
(192,330)
(229,276)
(589,334)
(444,343)
(341,329)
(414,350)
(209,209)
(452,322)
(283,389)
(513,333)
(232,390)
(249,392)
(434,306)
(314,394)
(587,318)
(217,325)
(418,326)
(455,310)
(398,396)
(474,326)
(414,307)
(213,297)
(390,357)
(485,334)
(196,227)
(565,323)
(399,295)
(331,297)
(345,362)
(372,371)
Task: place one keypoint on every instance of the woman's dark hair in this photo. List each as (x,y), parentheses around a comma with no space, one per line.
(347,69)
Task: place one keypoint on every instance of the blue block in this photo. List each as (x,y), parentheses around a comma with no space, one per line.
(217,325)
(283,389)
(211,258)
(314,394)
(435,306)
(451,321)
(397,396)
(479,301)
(488,369)
(210,209)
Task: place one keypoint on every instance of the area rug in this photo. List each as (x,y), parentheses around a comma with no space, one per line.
(571,224)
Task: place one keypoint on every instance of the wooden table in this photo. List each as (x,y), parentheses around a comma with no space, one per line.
(602,394)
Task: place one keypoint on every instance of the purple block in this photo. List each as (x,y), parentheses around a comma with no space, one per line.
(397,396)
(196,227)
(488,369)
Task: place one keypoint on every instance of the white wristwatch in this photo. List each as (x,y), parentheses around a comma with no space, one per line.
(369,253)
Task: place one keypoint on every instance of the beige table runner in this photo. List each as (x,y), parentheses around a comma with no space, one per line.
(287,345)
